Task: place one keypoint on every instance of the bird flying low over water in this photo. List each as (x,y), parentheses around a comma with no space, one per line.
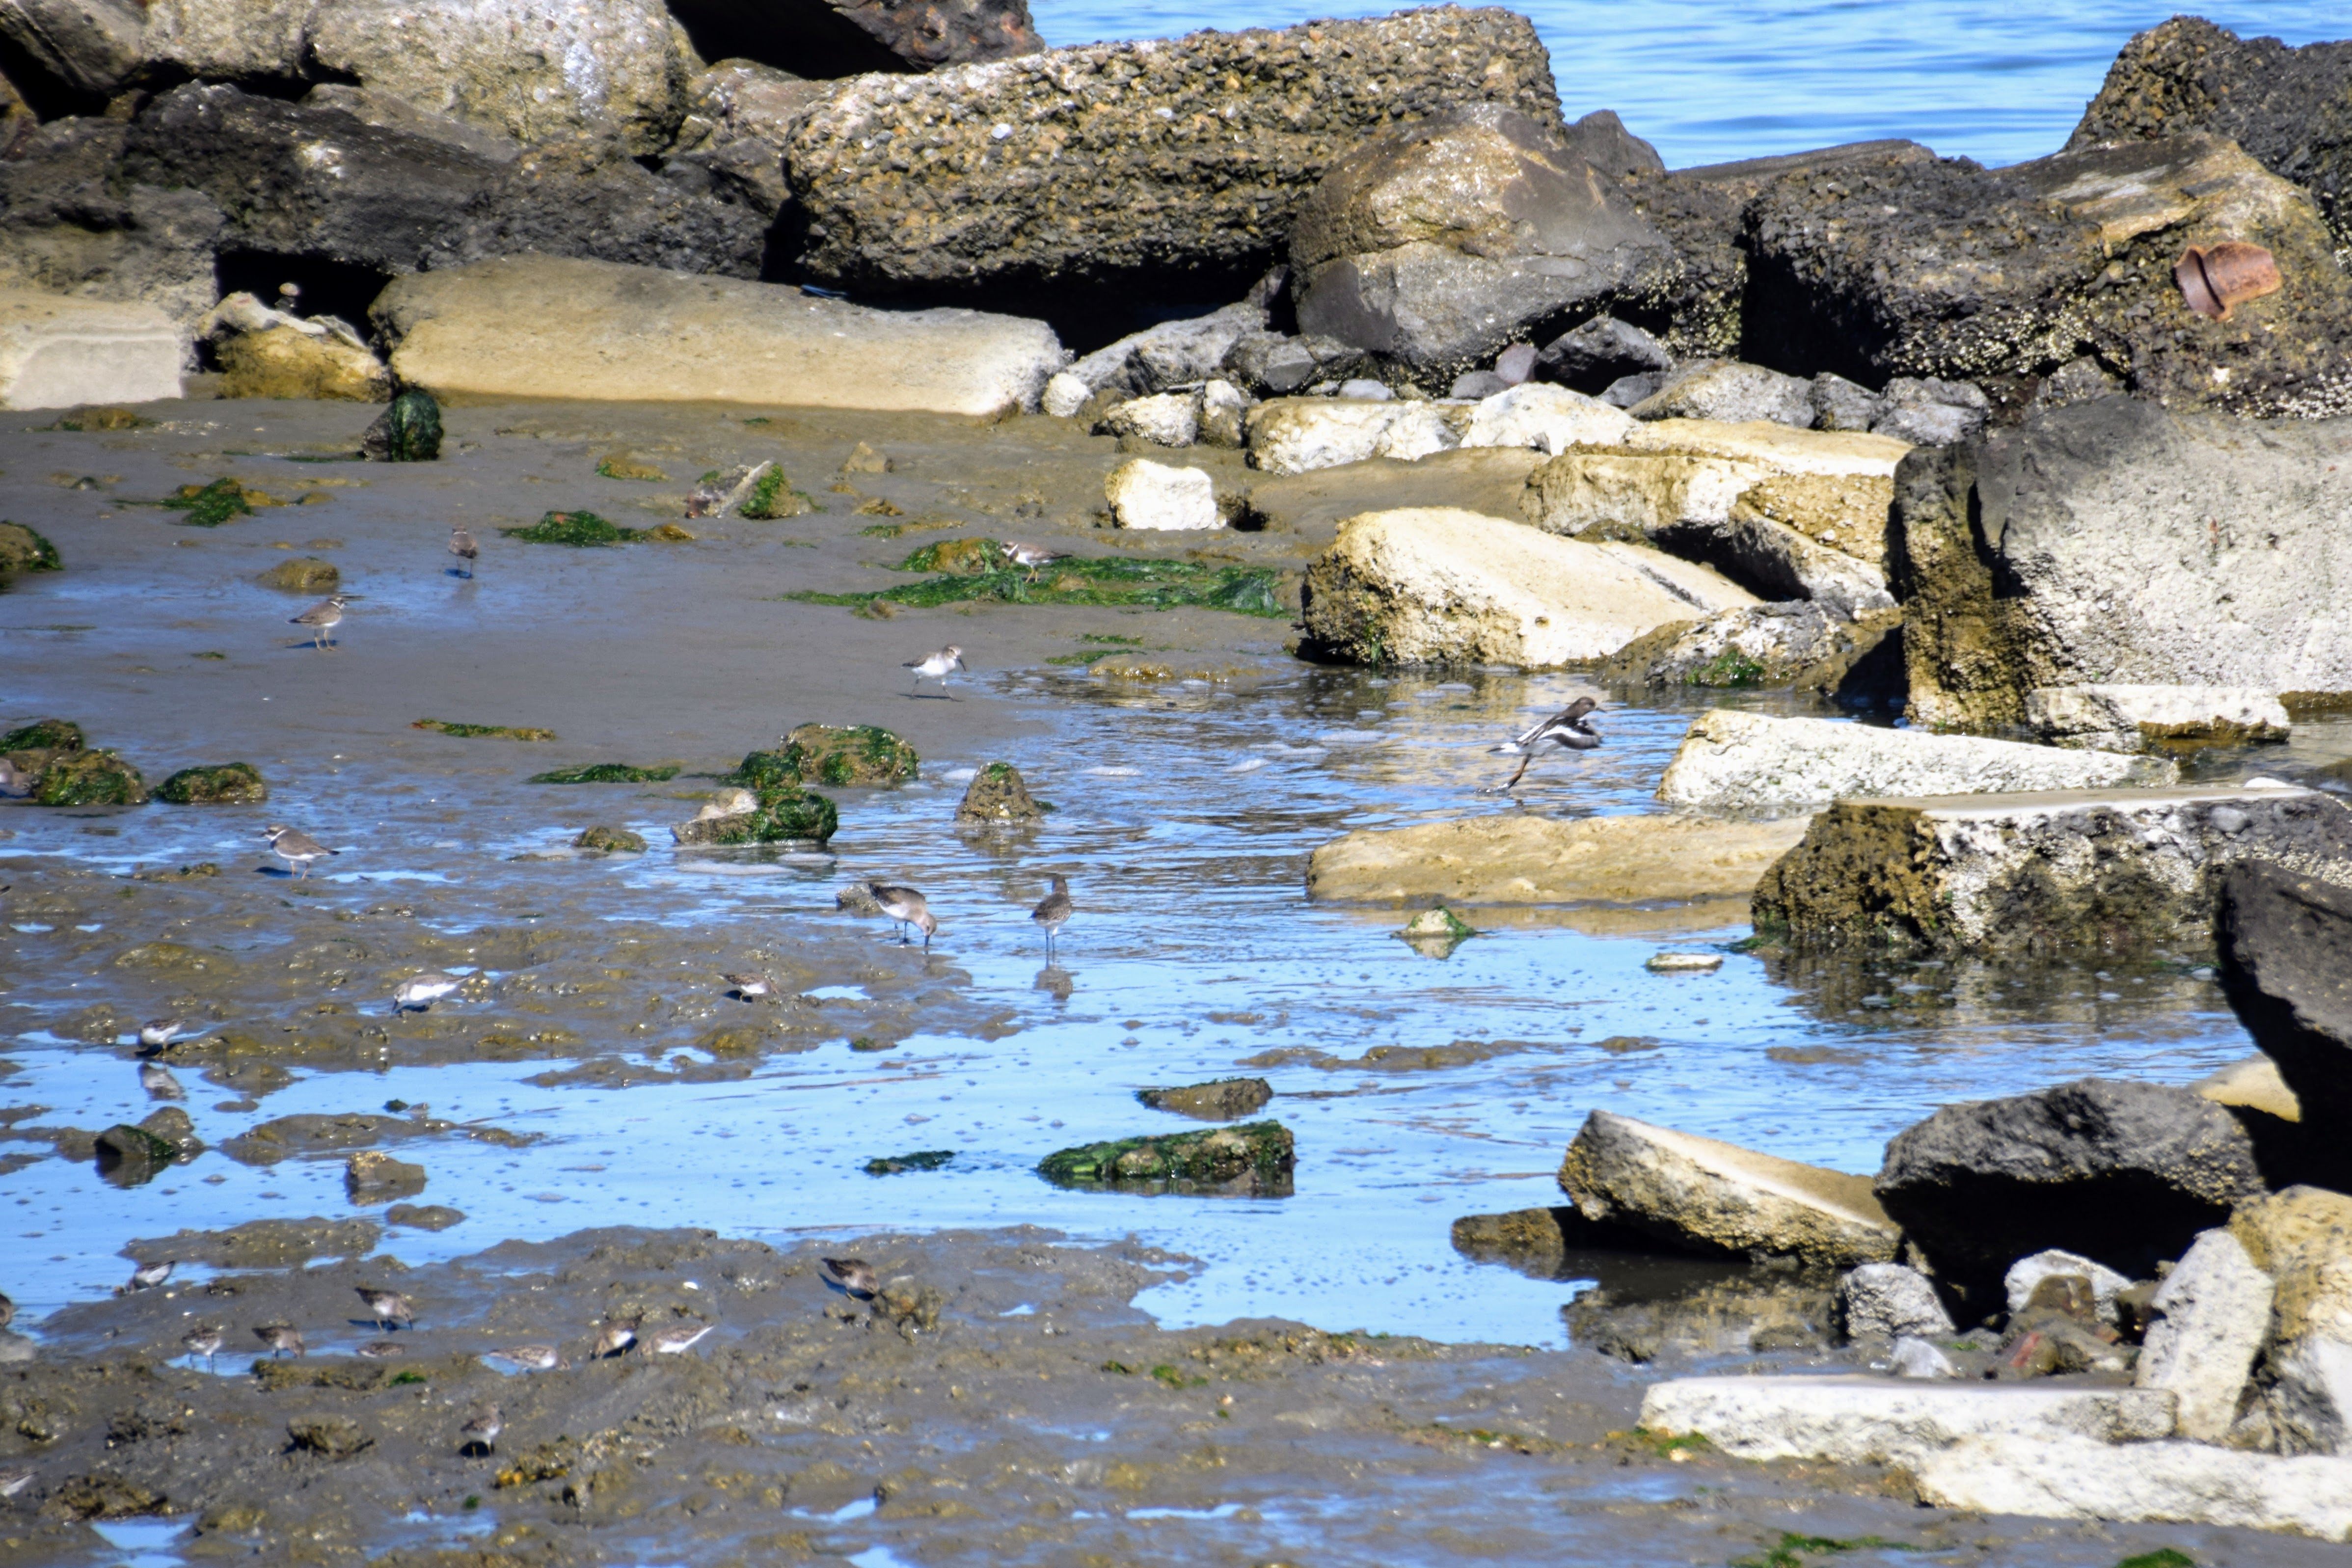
(1570,730)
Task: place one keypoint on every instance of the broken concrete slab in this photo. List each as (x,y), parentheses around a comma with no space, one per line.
(2134,717)
(1522,859)
(2184,1483)
(59,351)
(2211,1315)
(1892,1421)
(1711,1197)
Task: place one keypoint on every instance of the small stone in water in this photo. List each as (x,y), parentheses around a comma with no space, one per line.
(1684,963)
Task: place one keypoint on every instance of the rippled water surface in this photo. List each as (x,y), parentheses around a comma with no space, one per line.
(1712,80)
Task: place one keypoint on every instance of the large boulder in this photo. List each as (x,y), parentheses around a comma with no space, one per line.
(2125,1174)
(539,327)
(1516,859)
(2287,108)
(1098,167)
(2286,939)
(57,352)
(69,224)
(1856,660)
(822,38)
(2115,541)
(1949,270)
(1734,761)
(77,53)
(2078,870)
(2302,1239)
(1438,585)
(1438,244)
(1709,1196)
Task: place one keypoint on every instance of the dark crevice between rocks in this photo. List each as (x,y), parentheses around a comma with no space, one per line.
(329,286)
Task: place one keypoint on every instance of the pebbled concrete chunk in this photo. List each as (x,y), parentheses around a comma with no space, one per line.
(2183,1483)
(1886,1421)
(2213,1312)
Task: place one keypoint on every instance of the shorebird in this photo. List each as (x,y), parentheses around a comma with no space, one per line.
(157,1032)
(206,1343)
(1053,913)
(13,1481)
(322,618)
(531,1358)
(481,1429)
(462,546)
(935,667)
(387,1307)
(1033,556)
(1568,730)
(157,1080)
(750,987)
(147,1276)
(419,992)
(616,1335)
(283,1339)
(14,781)
(853,1274)
(380,1349)
(907,907)
(296,847)
(678,1340)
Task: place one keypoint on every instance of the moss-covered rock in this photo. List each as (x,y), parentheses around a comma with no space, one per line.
(998,796)
(287,362)
(1254,1159)
(580,530)
(959,558)
(784,815)
(407,432)
(24,549)
(219,502)
(218,784)
(611,840)
(89,778)
(1221,1100)
(622,465)
(303,574)
(1436,932)
(45,735)
(772,497)
(921,1160)
(609,773)
(484,731)
(847,754)
(128,1155)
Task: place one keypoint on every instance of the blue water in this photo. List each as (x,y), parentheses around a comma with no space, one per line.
(1708,82)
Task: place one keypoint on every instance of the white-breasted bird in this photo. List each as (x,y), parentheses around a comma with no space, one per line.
(1568,730)
(463,546)
(419,992)
(906,906)
(296,847)
(935,667)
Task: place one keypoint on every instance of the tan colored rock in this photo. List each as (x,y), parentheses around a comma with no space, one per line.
(2254,1084)
(2302,1238)
(1517,860)
(1484,479)
(237,39)
(57,352)
(1438,585)
(544,327)
(1697,1191)
(1298,435)
(2132,717)
(1145,494)
(285,361)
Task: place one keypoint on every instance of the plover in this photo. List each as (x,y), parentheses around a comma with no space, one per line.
(531,1358)
(387,1307)
(677,1340)
(322,618)
(381,1349)
(157,1080)
(1568,730)
(296,847)
(935,667)
(1053,913)
(462,546)
(13,1481)
(616,1335)
(14,781)
(157,1032)
(482,1428)
(853,1274)
(1033,556)
(204,1342)
(419,992)
(147,1276)
(750,987)
(283,1339)
(906,906)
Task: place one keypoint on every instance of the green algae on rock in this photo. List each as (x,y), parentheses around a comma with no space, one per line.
(609,773)
(303,574)
(611,840)
(89,778)
(1111,582)
(24,549)
(773,498)
(1254,1159)
(407,432)
(43,735)
(218,784)
(921,1160)
(784,815)
(998,796)
(492,731)
(210,505)
(1436,932)
(842,755)
(102,417)
(580,530)
(1221,1100)
(622,465)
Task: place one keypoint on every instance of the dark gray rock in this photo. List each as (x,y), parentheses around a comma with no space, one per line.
(2125,1174)
(390,111)
(850,37)
(1731,392)
(739,116)
(1436,246)
(69,223)
(1842,404)
(1517,364)
(1928,412)
(1476,384)
(2285,944)
(70,55)
(1602,140)
(2291,108)
(1628,390)
(1887,1301)
(1273,364)
(1601,351)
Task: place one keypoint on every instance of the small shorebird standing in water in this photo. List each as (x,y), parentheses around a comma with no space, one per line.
(906,906)
(296,847)
(147,1276)
(322,618)
(1568,730)
(853,1274)
(1033,556)
(157,1032)
(387,1307)
(935,667)
(481,1430)
(283,1339)
(204,1342)
(419,992)
(1053,913)
(157,1081)
(750,987)
(462,546)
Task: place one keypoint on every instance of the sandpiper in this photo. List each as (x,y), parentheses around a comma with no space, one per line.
(296,847)
(1033,556)
(381,1349)
(283,1339)
(14,781)
(906,906)
(1568,730)
(419,992)
(677,1340)
(853,1274)
(13,1481)
(616,1335)
(1053,913)
(750,987)
(157,1080)
(157,1032)
(322,618)
(462,546)
(147,1276)
(531,1358)
(387,1307)
(204,1341)
(482,1428)
(935,667)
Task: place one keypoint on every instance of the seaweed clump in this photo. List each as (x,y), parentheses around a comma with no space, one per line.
(210,505)
(611,841)
(491,731)
(1252,1160)
(222,783)
(782,811)
(407,432)
(843,755)
(24,549)
(609,773)
(1109,582)
(580,530)
(102,417)
(921,1160)
(43,735)
(85,777)
(303,574)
